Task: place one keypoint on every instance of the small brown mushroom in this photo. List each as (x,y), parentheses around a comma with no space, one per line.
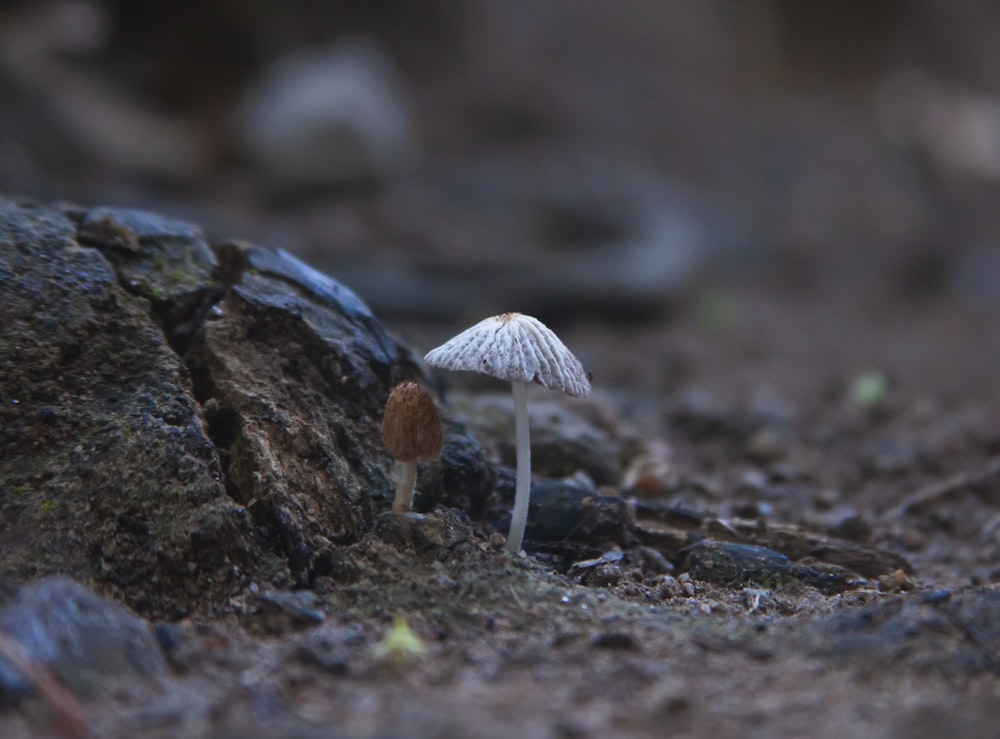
(411,432)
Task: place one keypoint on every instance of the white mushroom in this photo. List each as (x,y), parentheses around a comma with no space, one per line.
(519,349)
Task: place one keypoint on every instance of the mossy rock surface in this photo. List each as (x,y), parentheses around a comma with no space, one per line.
(172,427)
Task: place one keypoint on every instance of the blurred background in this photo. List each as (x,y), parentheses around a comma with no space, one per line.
(729,194)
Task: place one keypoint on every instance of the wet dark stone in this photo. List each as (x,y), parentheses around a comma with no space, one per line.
(178,427)
(14,687)
(329,291)
(168,262)
(561,511)
(461,478)
(726,563)
(731,564)
(133,229)
(85,640)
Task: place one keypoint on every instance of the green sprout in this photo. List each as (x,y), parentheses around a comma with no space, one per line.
(400,646)
(868,389)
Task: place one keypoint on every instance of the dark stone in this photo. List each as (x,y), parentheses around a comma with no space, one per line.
(867,561)
(731,564)
(165,261)
(324,651)
(276,612)
(330,661)
(132,230)
(560,511)
(726,563)
(325,289)
(565,439)
(14,687)
(176,426)
(85,640)
(615,640)
(97,418)
(296,372)
(440,530)
(462,477)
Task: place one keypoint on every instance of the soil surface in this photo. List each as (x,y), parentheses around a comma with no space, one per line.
(779,512)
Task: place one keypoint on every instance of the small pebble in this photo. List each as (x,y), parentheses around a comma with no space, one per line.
(614,640)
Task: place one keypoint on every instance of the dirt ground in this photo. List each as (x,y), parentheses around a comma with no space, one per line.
(824,382)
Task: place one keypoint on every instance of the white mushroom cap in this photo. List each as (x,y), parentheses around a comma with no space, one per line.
(516,348)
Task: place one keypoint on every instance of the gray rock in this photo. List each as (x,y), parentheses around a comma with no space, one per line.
(165,261)
(975,277)
(179,422)
(106,471)
(566,437)
(951,633)
(133,230)
(86,641)
(327,117)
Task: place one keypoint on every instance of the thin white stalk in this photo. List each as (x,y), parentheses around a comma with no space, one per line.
(522,492)
(406,479)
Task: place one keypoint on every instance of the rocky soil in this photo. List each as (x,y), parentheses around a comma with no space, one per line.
(191,432)
(769,231)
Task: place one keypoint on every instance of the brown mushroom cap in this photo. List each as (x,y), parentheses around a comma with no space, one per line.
(411,427)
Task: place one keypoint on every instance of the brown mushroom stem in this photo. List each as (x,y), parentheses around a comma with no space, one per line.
(522,490)
(406,479)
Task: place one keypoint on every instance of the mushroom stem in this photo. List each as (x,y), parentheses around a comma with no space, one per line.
(406,479)
(519,517)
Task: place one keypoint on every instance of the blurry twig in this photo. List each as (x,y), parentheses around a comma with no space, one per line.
(70,719)
(953,484)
